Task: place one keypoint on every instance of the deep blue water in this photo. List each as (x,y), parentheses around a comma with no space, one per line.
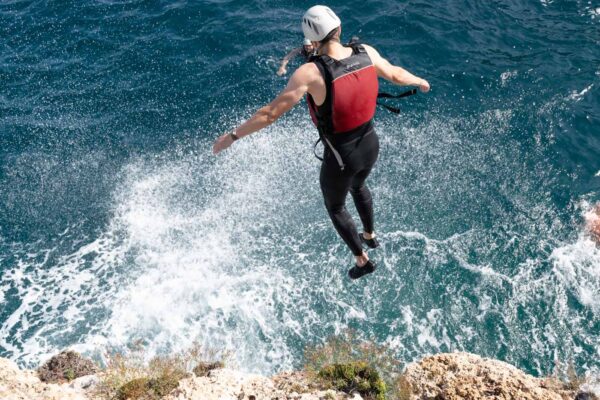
(117,224)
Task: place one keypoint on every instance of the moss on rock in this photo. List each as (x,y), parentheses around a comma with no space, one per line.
(356,376)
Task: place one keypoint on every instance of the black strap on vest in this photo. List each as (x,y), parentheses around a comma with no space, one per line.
(325,118)
(384,95)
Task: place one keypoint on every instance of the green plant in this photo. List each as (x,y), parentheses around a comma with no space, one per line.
(347,348)
(356,376)
(69,374)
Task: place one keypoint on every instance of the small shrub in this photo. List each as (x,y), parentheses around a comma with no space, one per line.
(65,366)
(134,390)
(355,377)
(147,389)
(164,385)
(347,349)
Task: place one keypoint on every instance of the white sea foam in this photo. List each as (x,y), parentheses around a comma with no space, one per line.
(237,252)
(506,76)
(577,265)
(198,250)
(577,96)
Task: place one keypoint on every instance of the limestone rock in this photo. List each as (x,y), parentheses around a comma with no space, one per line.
(458,376)
(16,384)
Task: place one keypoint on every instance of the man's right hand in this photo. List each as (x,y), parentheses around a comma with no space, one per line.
(424,86)
(222,142)
(282,72)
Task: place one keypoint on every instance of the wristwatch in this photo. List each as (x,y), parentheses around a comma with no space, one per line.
(234,137)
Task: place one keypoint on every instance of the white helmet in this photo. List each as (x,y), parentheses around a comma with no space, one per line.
(318,21)
(306,42)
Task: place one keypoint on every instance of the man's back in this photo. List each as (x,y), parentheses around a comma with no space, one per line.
(309,76)
(352,88)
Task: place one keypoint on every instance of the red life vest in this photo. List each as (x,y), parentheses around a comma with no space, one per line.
(351,92)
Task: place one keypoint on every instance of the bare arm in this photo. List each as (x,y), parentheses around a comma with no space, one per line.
(296,88)
(395,74)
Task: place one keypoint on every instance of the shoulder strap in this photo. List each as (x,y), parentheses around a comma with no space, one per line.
(325,118)
(357,48)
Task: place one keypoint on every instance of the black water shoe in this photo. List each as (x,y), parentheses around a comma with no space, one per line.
(372,243)
(356,271)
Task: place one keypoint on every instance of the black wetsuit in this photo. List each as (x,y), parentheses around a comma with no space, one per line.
(345,124)
(359,152)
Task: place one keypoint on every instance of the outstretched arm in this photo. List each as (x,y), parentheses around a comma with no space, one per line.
(393,73)
(290,96)
(283,68)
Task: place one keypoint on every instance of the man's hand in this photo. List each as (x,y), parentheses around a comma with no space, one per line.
(222,142)
(424,86)
(281,72)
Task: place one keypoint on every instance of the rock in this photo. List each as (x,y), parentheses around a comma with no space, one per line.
(224,384)
(455,376)
(16,384)
(459,376)
(85,382)
(204,368)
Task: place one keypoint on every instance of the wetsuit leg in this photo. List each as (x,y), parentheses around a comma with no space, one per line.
(363,200)
(335,185)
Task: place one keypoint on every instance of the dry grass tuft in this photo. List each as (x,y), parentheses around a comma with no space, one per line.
(129,376)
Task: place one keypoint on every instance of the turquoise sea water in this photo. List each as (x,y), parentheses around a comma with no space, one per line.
(117,224)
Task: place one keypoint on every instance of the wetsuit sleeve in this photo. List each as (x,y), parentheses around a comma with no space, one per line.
(296,52)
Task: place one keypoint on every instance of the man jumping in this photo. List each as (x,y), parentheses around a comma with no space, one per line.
(341,87)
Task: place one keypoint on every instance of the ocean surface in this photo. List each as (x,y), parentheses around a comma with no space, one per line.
(117,224)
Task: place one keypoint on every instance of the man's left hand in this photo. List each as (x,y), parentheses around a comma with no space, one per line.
(424,86)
